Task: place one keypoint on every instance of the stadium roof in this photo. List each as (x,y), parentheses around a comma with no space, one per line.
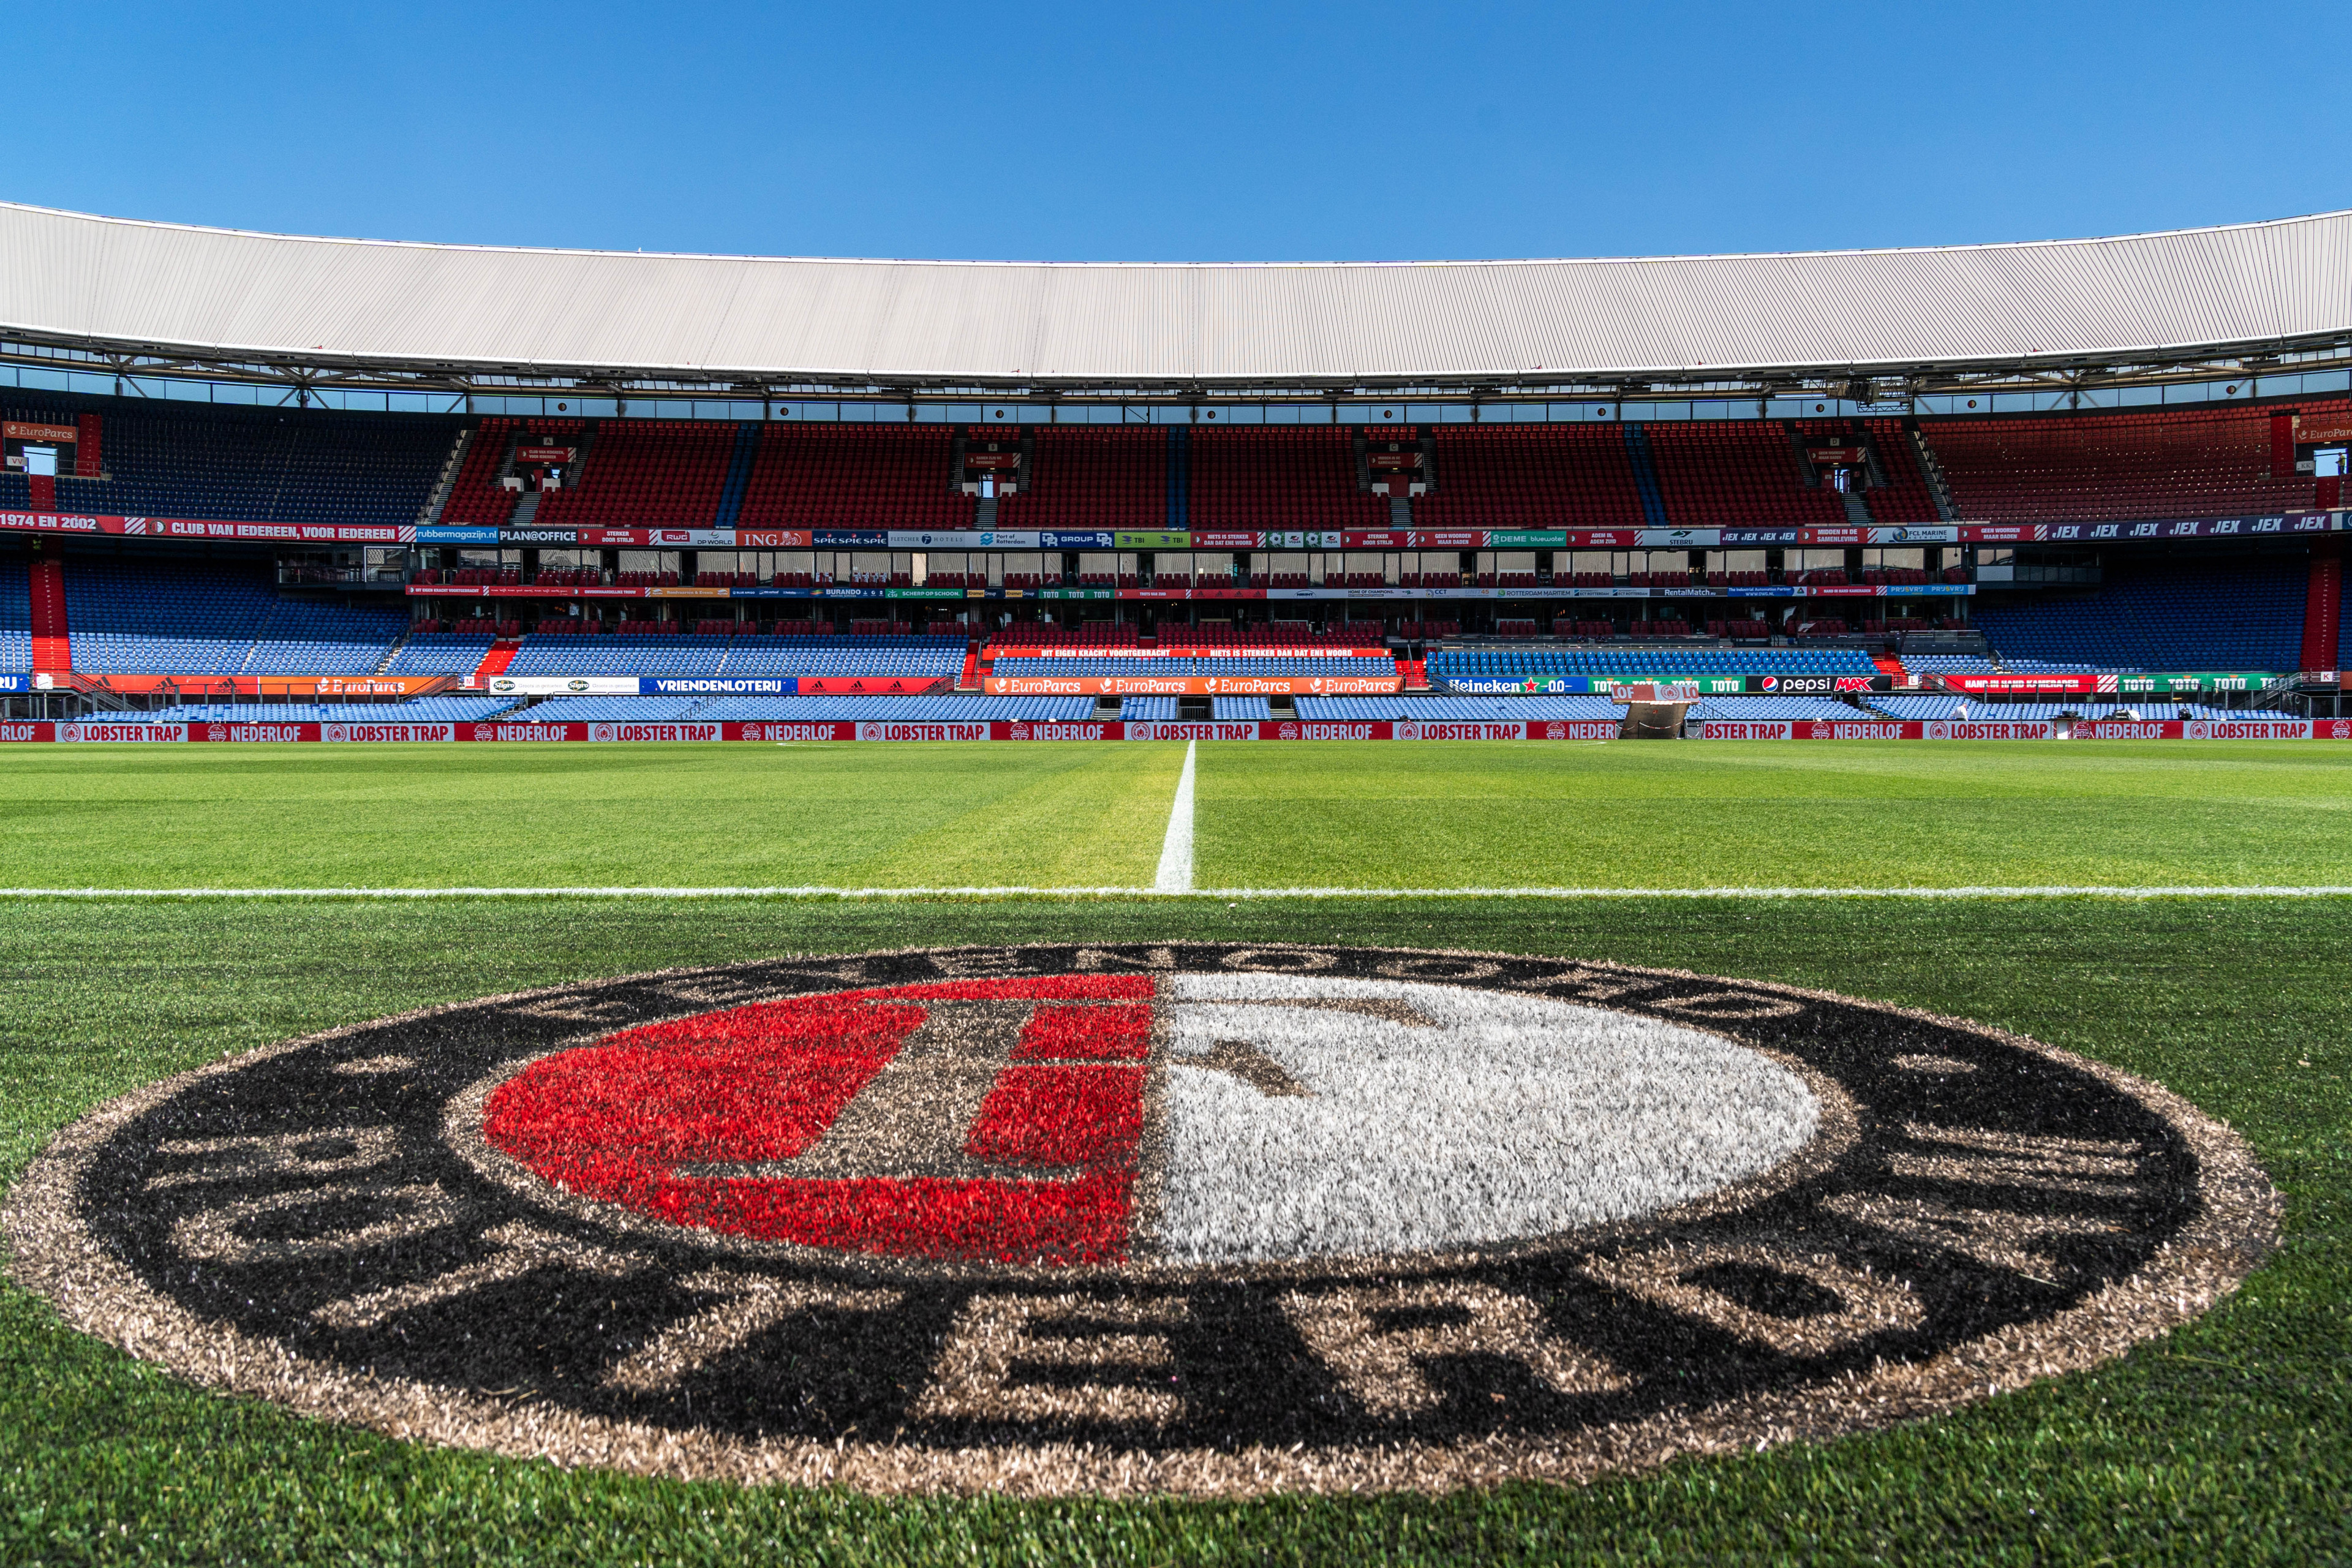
(168,293)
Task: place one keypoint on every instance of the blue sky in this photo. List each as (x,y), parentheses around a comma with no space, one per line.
(1172,132)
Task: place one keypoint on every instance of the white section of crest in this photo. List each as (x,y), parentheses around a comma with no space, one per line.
(1176,849)
(1514,1116)
(813,890)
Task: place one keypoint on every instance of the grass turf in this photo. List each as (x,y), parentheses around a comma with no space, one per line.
(1735,815)
(2229,1442)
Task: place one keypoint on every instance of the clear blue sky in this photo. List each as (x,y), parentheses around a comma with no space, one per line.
(1165,132)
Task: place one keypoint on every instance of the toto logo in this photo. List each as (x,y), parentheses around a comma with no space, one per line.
(1204,1219)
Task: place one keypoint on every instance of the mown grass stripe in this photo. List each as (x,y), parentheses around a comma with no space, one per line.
(812,891)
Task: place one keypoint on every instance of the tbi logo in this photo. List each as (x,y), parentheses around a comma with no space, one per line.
(1195,1218)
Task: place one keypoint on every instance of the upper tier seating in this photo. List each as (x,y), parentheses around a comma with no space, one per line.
(1736,472)
(1531,476)
(855,476)
(1904,497)
(199,618)
(276,465)
(1269,477)
(476,498)
(1092,477)
(2163,615)
(646,473)
(2100,467)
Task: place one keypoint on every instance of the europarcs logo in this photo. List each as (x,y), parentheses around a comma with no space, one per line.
(1117,1219)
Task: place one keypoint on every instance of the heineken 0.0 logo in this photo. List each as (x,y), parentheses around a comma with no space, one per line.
(1124,1219)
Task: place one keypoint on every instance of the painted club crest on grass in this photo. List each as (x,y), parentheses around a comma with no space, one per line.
(1190,1218)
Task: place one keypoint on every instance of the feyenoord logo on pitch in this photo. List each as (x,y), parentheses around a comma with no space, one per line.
(1119,1219)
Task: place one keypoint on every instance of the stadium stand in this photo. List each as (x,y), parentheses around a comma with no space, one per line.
(440,653)
(202,618)
(476,497)
(1719,472)
(646,473)
(1905,496)
(1093,477)
(15,618)
(2101,467)
(2162,614)
(1279,476)
(420,711)
(1533,475)
(257,465)
(855,476)
(1770,710)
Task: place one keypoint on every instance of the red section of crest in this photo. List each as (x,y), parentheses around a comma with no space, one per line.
(614,1121)
(1087,1033)
(1061,1116)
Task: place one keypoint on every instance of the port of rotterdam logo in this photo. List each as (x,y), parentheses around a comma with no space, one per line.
(1193,1219)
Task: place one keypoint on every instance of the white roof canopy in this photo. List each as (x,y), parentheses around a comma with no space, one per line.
(222,295)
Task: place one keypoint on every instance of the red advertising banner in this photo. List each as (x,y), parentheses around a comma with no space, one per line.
(1858,730)
(792,731)
(521,730)
(545,454)
(2061,685)
(2310,429)
(23,430)
(110,734)
(1191,685)
(782,732)
(868,685)
(199,528)
(902,729)
(267,733)
(1139,730)
(402,733)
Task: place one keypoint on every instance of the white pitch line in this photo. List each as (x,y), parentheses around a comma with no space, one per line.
(1176,849)
(1231,894)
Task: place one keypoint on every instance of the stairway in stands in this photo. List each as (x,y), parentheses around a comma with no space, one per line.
(501,655)
(525,509)
(52,641)
(739,475)
(1645,476)
(393,651)
(2323,607)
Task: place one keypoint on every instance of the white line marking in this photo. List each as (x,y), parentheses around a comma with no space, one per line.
(1176,850)
(813,892)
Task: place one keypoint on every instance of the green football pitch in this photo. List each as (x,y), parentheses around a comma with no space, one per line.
(2228,1441)
(1266,816)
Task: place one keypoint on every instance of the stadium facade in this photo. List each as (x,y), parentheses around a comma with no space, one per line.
(292,485)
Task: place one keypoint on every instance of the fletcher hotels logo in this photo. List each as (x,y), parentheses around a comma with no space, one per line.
(1205,1220)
